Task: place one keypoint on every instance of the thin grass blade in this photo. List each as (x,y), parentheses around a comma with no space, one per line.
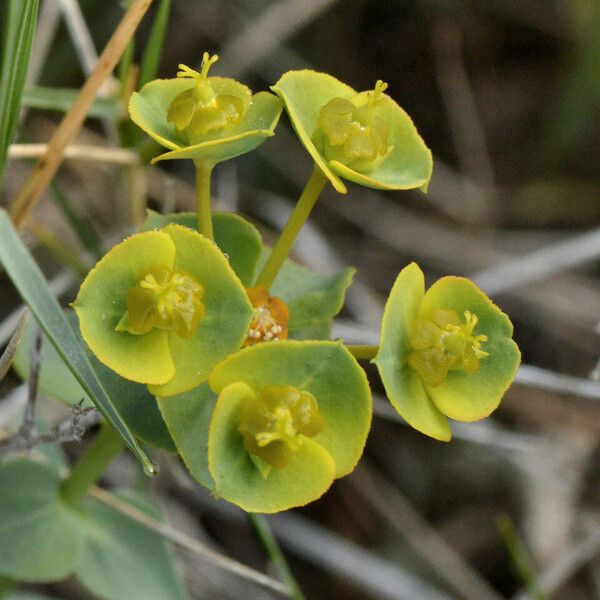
(154,46)
(29,281)
(19,29)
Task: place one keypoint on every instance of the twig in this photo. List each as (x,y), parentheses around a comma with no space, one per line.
(540,264)
(69,430)
(184,541)
(8,354)
(47,166)
(118,156)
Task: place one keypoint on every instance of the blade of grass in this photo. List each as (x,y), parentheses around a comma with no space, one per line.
(7,356)
(154,46)
(33,288)
(520,560)
(20,20)
(61,100)
(271,547)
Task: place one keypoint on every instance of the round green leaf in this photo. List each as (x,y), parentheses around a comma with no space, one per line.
(187,417)
(258,124)
(100,305)
(325,369)
(305,479)
(123,559)
(402,384)
(407,166)
(237,238)
(304,93)
(227,318)
(41,536)
(469,397)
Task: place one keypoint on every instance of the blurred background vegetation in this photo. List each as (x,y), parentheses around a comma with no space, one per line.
(506,93)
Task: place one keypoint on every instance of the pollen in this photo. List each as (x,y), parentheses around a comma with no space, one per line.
(443,343)
(270,319)
(163,299)
(273,425)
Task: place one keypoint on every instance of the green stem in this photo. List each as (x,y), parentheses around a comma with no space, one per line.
(106,446)
(292,228)
(363,352)
(269,543)
(203,173)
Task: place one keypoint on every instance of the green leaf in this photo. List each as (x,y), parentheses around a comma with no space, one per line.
(20,18)
(237,238)
(464,396)
(149,107)
(27,596)
(402,384)
(303,94)
(133,401)
(123,559)
(306,478)
(325,369)
(154,45)
(313,298)
(188,417)
(41,536)
(61,100)
(34,290)
(408,164)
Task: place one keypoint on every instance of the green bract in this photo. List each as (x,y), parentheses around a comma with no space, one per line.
(447,352)
(204,118)
(138,309)
(364,137)
(306,404)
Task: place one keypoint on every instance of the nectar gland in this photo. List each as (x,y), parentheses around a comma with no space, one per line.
(200,109)
(163,299)
(274,424)
(442,343)
(352,133)
(270,317)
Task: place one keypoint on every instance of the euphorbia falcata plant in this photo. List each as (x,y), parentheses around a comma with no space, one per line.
(232,339)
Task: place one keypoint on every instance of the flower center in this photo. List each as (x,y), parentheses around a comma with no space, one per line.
(163,299)
(274,424)
(352,133)
(442,343)
(270,318)
(200,109)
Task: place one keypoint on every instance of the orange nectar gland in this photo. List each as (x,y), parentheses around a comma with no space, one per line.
(274,424)
(442,343)
(270,319)
(354,135)
(163,299)
(200,109)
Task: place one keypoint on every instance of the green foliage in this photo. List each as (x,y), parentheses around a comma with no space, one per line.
(123,559)
(406,165)
(34,290)
(312,298)
(46,539)
(462,395)
(19,17)
(41,536)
